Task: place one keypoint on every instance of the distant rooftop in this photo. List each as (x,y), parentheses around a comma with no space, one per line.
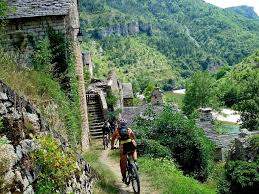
(127,90)
(38,8)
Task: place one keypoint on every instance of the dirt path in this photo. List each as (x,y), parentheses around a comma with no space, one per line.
(124,189)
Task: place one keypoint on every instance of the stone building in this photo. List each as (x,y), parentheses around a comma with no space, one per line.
(128,95)
(29,23)
(206,114)
(157,97)
(30,20)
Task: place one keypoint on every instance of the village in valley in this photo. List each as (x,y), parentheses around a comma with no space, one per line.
(69,67)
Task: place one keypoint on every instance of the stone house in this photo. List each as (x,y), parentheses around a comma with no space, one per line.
(127,94)
(157,97)
(30,19)
(28,24)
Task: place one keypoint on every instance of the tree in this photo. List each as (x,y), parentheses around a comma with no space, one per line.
(249,103)
(148,91)
(199,92)
(188,145)
(3,7)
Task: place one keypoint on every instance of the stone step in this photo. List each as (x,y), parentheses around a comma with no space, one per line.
(93,103)
(97,137)
(95,127)
(97,123)
(96,118)
(96,132)
(95,111)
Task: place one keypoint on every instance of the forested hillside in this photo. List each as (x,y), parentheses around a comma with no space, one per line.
(188,35)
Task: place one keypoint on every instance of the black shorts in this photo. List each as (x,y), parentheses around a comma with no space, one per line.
(128,148)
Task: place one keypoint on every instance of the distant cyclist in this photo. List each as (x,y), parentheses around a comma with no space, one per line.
(128,144)
(106,128)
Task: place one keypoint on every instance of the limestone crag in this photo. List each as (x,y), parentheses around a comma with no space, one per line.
(125,29)
(21,122)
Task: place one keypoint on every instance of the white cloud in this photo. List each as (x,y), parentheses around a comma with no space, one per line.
(231,3)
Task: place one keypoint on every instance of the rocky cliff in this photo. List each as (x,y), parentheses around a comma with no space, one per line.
(125,29)
(244,10)
(19,125)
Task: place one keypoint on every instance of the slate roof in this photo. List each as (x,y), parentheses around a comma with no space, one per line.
(127,90)
(38,8)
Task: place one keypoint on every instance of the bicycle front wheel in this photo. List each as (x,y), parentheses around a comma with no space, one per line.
(135,179)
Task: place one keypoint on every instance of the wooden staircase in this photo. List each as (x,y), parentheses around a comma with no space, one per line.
(96,117)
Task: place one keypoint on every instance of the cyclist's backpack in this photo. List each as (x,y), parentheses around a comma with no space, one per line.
(124,133)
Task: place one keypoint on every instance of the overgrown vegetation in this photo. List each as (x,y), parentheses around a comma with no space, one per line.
(4,7)
(170,97)
(173,180)
(56,166)
(46,93)
(188,145)
(241,176)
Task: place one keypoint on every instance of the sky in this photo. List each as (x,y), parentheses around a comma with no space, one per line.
(231,3)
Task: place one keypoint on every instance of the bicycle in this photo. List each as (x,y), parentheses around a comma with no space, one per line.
(132,175)
(106,140)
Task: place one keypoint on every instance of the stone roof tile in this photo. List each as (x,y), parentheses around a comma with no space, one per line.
(38,8)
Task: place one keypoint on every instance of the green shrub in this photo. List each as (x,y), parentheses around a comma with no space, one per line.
(4,7)
(254,143)
(189,146)
(42,56)
(56,166)
(111,100)
(152,149)
(43,90)
(242,176)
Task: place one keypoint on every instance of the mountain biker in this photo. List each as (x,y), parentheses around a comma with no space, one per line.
(128,144)
(106,128)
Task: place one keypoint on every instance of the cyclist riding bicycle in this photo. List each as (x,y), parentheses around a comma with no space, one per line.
(106,128)
(128,144)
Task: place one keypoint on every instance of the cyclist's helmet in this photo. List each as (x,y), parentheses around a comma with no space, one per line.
(123,122)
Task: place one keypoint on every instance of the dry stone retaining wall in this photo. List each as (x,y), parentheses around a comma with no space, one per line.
(21,122)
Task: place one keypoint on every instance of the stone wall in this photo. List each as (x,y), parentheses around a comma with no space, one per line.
(21,123)
(130,113)
(242,149)
(23,34)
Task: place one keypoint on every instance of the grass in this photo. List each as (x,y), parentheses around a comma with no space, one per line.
(46,93)
(171,97)
(106,183)
(166,177)
(169,179)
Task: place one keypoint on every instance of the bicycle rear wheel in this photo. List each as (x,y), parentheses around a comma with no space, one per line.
(135,179)
(105,144)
